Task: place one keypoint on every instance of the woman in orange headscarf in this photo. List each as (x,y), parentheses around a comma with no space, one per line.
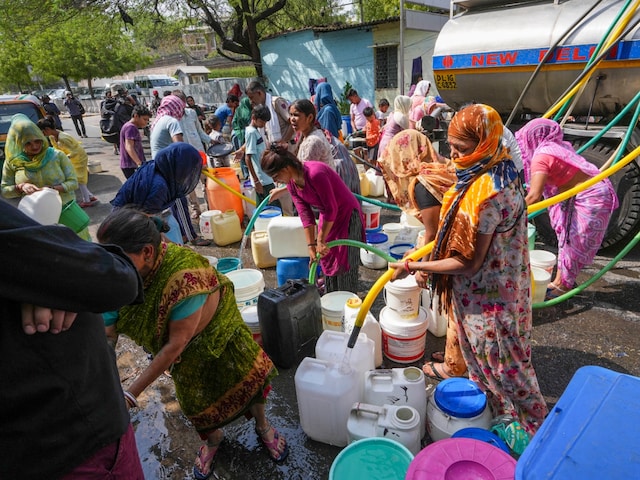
(480,266)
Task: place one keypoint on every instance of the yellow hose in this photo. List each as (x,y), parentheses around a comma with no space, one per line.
(206,172)
(587,184)
(612,39)
(421,252)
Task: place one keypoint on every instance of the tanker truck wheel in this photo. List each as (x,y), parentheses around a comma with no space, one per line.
(625,220)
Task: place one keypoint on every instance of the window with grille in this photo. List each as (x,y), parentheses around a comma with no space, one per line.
(386,67)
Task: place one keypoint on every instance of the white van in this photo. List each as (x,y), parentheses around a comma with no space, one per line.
(129,85)
(148,83)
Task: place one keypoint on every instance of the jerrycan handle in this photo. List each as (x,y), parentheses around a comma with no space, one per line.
(381,372)
(358,408)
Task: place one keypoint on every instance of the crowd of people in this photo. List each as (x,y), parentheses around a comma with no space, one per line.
(171,301)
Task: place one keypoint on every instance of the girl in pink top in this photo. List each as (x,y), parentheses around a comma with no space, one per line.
(551,166)
(315,184)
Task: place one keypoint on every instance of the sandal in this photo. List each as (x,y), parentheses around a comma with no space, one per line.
(204,461)
(553,291)
(200,242)
(93,199)
(435,374)
(275,454)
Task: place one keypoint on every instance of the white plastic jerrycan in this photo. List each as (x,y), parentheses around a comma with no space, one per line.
(370,327)
(400,423)
(325,395)
(397,386)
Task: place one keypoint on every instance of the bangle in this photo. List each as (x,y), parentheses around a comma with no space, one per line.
(19,187)
(128,396)
(406,267)
(312,244)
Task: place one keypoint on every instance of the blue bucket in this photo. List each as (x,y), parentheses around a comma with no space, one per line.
(398,250)
(483,435)
(228,264)
(372,458)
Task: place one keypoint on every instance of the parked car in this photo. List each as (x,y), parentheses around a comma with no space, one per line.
(57,94)
(10,105)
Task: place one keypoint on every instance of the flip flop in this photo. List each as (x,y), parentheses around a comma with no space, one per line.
(197,473)
(436,375)
(272,446)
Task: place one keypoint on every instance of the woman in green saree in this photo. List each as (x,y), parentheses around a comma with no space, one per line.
(190,322)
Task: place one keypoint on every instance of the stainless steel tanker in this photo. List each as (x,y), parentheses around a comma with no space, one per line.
(489,49)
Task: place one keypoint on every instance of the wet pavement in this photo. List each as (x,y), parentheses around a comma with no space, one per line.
(600,326)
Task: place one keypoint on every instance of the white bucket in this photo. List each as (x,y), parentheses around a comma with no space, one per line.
(372,260)
(392,230)
(265,216)
(250,317)
(403,296)
(206,222)
(437,321)
(403,341)
(542,259)
(371,216)
(541,279)
(43,206)
(248,285)
(94,167)
(333,309)
(456,403)
(213,261)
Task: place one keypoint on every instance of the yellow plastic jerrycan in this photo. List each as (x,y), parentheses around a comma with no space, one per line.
(225,228)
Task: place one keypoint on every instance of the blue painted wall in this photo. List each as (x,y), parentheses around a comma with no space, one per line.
(289,60)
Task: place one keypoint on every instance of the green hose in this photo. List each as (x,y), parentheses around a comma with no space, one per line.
(596,277)
(350,243)
(377,202)
(256,214)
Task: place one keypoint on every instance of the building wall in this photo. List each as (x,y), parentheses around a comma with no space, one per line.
(290,60)
(417,43)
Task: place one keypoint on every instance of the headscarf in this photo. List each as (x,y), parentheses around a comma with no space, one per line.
(422,88)
(21,131)
(418,100)
(170,105)
(401,109)
(329,116)
(241,118)
(544,136)
(154,187)
(235,90)
(481,175)
(410,158)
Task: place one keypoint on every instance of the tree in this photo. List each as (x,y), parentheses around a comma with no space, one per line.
(88,45)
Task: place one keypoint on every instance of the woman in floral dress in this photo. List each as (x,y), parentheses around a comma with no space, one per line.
(480,266)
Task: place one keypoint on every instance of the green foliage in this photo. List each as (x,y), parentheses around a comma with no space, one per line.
(88,44)
(233,72)
(380,9)
(298,14)
(343,103)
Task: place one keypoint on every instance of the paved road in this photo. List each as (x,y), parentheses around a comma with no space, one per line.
(601,327)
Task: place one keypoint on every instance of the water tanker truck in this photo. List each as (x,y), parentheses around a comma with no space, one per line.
(524,57)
